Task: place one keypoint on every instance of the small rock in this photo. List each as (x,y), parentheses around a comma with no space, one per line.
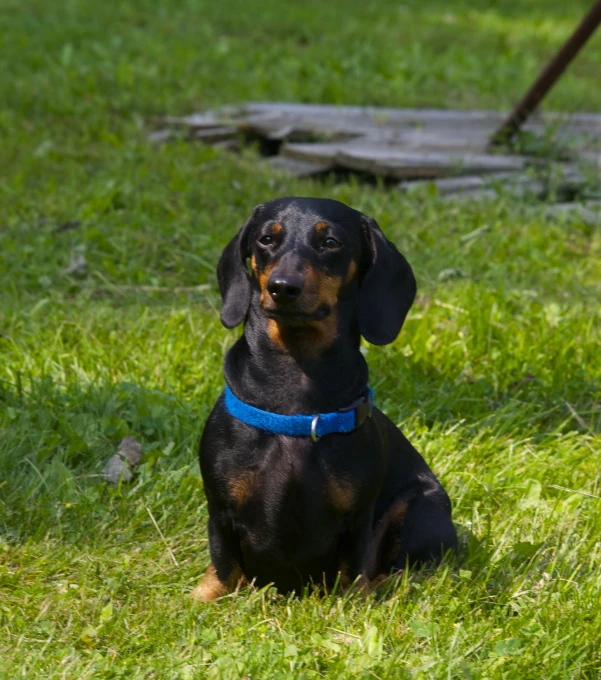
(159,136)
(131,450)
(452,273)
(119,467)
(67,226)
(78,265)
(116,470)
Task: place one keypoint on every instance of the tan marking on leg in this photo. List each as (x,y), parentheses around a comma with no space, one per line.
(384,545)
(241,489)
(342,494)
(211,586)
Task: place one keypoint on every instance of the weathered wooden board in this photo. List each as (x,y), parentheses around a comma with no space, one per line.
(398,164)
(367,120)
(391,162)
(588,212)
(426,129)
(592,158)
(297,168)
(196,120)
(454,185)
(448,148)
(214,134)
(313,153)
(474,196)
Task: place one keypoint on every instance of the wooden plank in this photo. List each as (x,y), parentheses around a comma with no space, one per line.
(533,190)
(277,129)
(428,130)
(424,118)
(313,153)
(377,125)
(454,185)
(593,158)
(214,134)
(196,120)
(588,212)
(371,113)
(424,129)
(477,195)
(160,136)
(515,185)
(522,186)
(391,162)
(296,168)
(400,164)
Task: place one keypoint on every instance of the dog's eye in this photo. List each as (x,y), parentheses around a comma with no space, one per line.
(266,240)
(331,243)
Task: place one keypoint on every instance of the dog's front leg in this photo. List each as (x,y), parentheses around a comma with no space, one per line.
(224,574)
(355,560)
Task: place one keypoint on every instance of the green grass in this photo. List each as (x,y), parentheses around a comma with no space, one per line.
(495,377)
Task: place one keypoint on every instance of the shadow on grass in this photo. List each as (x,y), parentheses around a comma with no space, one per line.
(55,441)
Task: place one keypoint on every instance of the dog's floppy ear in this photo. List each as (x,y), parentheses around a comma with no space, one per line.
(387,290)
(233,278)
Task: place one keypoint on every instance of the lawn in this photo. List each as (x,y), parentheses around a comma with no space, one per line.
(495,376)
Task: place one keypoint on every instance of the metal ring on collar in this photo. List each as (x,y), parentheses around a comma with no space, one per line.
(314,422)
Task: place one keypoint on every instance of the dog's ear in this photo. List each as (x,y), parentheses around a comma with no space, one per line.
(232,275)
(387,290)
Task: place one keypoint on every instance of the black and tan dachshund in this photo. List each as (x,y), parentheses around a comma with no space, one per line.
(331,497)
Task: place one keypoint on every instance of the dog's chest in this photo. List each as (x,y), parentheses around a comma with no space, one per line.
(291,495)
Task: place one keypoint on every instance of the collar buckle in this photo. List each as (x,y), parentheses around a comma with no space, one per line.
(362,407)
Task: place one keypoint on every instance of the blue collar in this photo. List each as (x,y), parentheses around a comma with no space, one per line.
(344,420)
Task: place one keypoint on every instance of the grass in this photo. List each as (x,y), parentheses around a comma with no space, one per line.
(495,377)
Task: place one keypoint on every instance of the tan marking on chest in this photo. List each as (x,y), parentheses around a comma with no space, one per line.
(342,494)
(309,341)
(242,488)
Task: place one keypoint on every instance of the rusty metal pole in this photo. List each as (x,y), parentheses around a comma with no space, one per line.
(548,77)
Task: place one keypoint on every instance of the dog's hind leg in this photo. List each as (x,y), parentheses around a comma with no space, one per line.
(385,543)
(426,533)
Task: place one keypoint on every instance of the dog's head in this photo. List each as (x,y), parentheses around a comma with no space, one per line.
(309,257)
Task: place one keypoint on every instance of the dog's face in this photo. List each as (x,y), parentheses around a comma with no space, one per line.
(302,260)
(306,255)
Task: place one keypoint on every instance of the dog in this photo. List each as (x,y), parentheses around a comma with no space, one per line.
(306,481)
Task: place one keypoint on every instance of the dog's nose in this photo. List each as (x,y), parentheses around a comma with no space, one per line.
(284,289)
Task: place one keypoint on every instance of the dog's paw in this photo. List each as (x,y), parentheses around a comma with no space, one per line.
(212,587)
